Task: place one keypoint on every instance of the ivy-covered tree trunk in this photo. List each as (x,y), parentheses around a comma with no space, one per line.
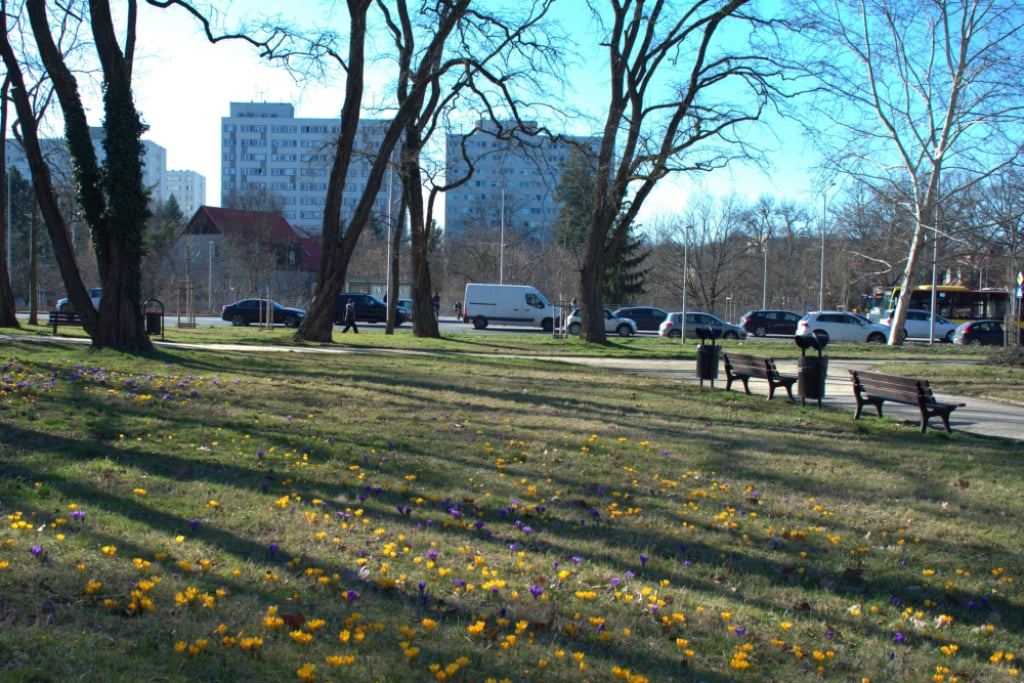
(112,200)
(8,310)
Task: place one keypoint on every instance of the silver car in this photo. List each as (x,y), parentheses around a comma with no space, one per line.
(918,324)
(672,328)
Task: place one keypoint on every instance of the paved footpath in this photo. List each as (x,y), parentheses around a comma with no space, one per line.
(980,416)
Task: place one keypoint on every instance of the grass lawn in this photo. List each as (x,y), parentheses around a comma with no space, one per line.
(231,516)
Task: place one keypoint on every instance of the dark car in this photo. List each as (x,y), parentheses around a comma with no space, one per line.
(982,333)
(369,309)
(645,317)
(248,311)
(765,322)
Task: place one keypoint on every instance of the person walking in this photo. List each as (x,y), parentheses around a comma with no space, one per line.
(458,311)
(350,317)
(436,302)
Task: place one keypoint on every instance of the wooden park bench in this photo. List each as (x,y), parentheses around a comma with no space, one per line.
(875,388)
(64,318)
(743,367)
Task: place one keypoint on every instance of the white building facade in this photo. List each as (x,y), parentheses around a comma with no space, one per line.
(188,187)
(265,148)
(514,181)
(55,151)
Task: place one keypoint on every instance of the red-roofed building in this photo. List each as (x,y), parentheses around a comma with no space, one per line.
(228,254)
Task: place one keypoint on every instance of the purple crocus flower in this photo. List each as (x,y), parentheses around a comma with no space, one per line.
(536,591)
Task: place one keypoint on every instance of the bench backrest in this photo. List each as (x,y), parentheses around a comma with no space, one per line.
(883,385)
(745,363)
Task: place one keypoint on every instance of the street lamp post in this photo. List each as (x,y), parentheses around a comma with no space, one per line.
(209,290)
(821,277)
(764,281)
(686,271)
(501,247)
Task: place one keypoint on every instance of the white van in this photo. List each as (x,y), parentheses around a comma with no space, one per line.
(507,305)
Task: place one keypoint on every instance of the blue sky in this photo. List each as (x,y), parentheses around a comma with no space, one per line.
(184,86)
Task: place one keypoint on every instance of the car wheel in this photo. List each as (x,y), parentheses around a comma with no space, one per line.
(949,336)
(479,323)
(291,321)
(905,335)
(974,342)
(729,334)
(760,331)
(237,320)
(547,325)
(574,328)
(674,334)
(625,330)
(876,338)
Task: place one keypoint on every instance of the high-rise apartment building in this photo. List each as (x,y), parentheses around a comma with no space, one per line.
(269,157)
(58,158)
(513,183)
(188,187)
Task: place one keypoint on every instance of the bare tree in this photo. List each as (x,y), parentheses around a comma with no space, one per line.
(112,198)
(718,80)
(913,89)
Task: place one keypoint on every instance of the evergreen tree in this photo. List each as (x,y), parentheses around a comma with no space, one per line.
(626,278)
(576,193)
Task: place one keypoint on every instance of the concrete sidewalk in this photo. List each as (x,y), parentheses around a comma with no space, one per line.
(979,416)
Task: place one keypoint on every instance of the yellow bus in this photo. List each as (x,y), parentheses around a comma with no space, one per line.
(957,303)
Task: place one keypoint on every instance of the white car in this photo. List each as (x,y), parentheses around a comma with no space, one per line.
(94,293)
(918,324)
(842,326)
(624,327)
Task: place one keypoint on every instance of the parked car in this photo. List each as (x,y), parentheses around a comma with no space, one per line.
(624,327)
(765,322)
(369,309)
(95,293)
(918,324)
(843,326)
(249,311)
(982,333)
(672,326)
(645,317)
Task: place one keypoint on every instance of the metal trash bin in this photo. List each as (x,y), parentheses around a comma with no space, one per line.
(707,355)
(811,374)
(153,315)
(707,362)
(811,370)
